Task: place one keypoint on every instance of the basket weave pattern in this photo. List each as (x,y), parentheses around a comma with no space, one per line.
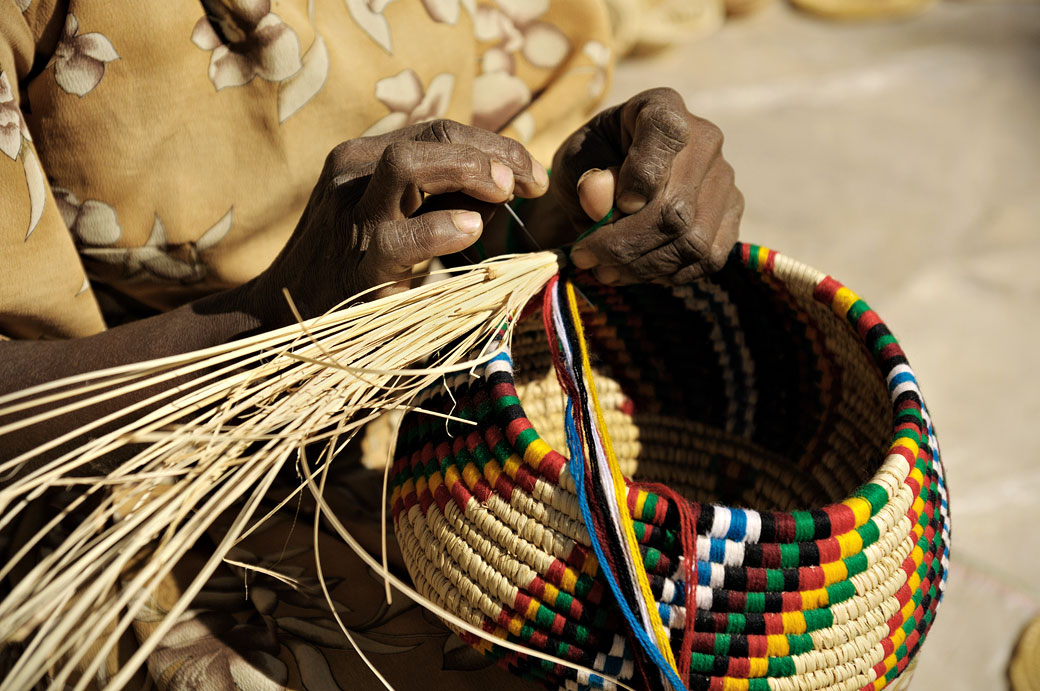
(770,397)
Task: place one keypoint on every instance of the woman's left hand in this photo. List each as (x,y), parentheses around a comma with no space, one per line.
(663,170)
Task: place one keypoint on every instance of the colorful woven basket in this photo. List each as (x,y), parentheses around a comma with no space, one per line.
(801,500)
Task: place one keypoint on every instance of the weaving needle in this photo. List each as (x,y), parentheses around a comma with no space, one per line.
(523,227)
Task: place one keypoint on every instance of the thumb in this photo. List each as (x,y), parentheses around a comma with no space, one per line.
(400,245)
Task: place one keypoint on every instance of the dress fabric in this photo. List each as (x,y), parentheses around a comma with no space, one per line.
(161,154)
(155,153)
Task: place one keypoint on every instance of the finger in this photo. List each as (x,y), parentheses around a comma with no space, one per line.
(725,239)
(409,169)
(680,238)
(658,126)
(596,191)
(694,245)
(628,238)
(396,246)
(532,180)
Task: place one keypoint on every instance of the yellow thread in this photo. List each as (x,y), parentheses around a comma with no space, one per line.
(794,622)
(834,572)
(860,509)
(663,640)
(843,300)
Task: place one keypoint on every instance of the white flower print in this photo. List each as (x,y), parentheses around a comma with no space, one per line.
(447,11)
(13,132)
(12,124)
(256,42)
(513,25)
(297,90)
(79,60)
(409,103)
(95,226)
(368,14)
(91,222)
(599,54)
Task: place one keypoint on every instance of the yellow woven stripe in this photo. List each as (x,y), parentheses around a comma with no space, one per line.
(879,683)
(435,481)
(471,473)
(759,667)
(843,300)
(729,684)
(640,502)
(516,624)
(835,572)
(815,599)
(491,472)
(532,609)
(551,593)
(777,645)
(763,256)
(851,543)
(451,475)
(794,622)
(620,490)
(898,637)
(512,465)
(860,509)
(569,580)
(906,443)
(535,452)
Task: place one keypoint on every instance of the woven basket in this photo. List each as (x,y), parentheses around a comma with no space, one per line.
(770,397)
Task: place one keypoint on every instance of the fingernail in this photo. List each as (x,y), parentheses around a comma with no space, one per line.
(607,274)
(630,202)
(469,222)
(502,176)
(538,172)
(587,174)
(583,259)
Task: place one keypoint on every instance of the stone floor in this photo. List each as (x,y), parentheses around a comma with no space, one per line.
(904,159)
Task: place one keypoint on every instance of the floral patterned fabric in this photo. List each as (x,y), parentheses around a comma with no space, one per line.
(153,154)
(166,152)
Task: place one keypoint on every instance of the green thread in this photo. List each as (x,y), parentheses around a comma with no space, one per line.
(597,225)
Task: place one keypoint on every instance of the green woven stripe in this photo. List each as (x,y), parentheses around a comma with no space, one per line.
(722,643)
(649,507)
(799,643)
(869,533)
(756,602)
(789,556)
(840,591)
(758,685)
(881,343)
(804,528)
(858,309)
(505,402)
(524,439)
(753,256)
(875,494)
(781,667)
(774,580)
(652,557)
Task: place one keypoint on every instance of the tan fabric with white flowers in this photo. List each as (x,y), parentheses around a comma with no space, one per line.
(159,153)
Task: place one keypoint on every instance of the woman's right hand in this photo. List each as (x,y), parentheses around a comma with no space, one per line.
(365,224)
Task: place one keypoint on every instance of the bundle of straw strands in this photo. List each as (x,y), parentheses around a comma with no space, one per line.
(213,443)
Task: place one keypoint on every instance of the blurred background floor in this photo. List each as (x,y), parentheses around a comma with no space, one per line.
(903,158)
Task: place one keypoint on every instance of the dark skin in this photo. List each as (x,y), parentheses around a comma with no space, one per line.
(366,224)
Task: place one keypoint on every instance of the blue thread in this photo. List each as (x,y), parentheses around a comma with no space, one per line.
(578,473)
